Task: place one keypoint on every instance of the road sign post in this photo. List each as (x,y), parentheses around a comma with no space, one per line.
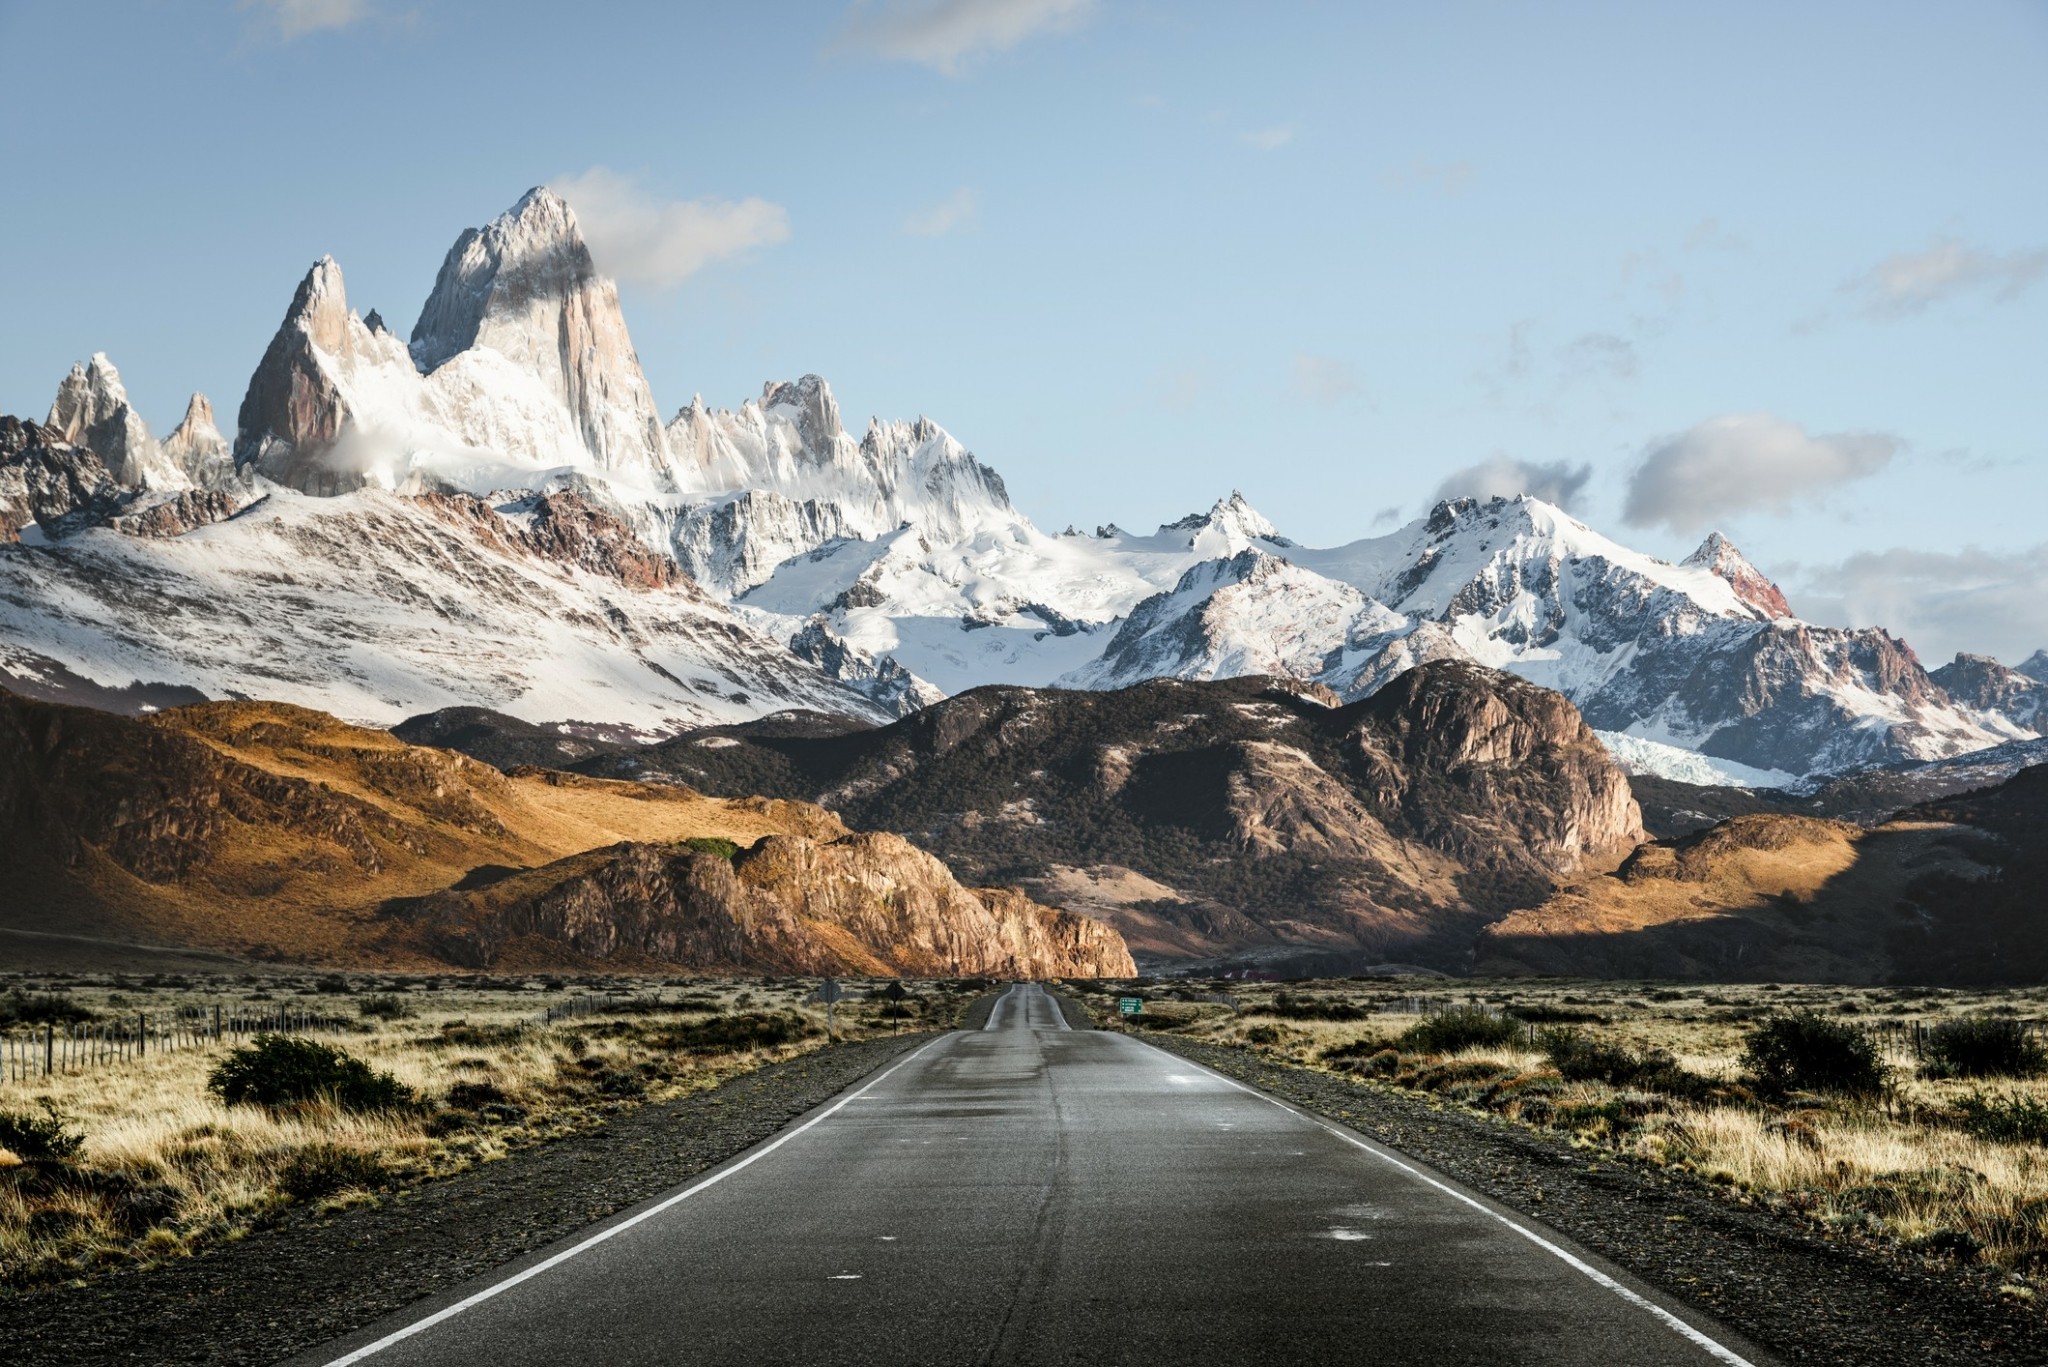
(1130,1006)
(830,992)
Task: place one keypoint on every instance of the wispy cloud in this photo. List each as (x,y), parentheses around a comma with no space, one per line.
(637,237)
(1268,139)
(1502,476)
(1445,178)
(1598,355)
(950,35)
(289,19)
(1941,602)
(1324,379)
(1911,282)
(1744,461)
(956,211)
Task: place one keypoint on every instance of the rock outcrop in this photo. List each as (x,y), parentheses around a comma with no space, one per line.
(1981,682)
(868,904)
(1718,555)
(50,483)
(92,409)
(196,447)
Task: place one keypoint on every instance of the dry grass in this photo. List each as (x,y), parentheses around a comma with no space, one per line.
(1900,1168)
(167,1168)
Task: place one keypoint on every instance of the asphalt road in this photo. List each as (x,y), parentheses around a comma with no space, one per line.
(1029,1193)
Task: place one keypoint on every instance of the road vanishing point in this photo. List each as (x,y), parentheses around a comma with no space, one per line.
(1028,1193)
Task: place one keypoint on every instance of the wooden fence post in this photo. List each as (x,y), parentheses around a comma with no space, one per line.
(49,1047)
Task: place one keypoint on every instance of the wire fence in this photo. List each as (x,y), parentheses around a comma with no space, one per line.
(81,1046)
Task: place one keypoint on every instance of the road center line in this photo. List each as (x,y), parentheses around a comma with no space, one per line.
(1671,1321)
(594,1240)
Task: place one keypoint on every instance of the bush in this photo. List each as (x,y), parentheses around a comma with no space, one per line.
(1290,1007)
(39,1138)
(1262,1034)
(1983,1046)
(325,1169)
(55,1008)
(1464,1027)
(1578,1058)
(711,844)
(749,1030)
(1806,1051)
(2014,1119)
(285,1070)
(386,1007)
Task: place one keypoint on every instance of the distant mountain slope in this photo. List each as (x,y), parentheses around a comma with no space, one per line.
(1244,817)
(1949,891)
(277,832)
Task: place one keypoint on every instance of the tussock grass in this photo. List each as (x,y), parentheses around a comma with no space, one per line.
(167,1167)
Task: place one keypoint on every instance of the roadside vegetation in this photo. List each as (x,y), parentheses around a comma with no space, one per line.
(159,1157)
(1915,1118)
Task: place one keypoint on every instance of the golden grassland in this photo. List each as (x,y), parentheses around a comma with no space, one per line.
(166,1168)
(1902,1166)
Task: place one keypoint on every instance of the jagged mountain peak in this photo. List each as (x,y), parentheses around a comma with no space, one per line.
(530,253)
(2035,666)
(92,409)
(1720,556)
(811,405)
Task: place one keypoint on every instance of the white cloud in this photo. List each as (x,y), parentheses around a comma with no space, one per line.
(290,19)
(1984,602)
(635,237)
(957,210)
(1742,461)
(1324,379)
(1910,282)
(948,35)
(1446,178)
(1269,139)
(1502,476)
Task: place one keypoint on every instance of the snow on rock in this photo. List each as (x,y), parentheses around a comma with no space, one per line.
(92,409)
(2035,666)
(1981,682)
(1638,756)
(376,607)
(1718,555)
(198,450)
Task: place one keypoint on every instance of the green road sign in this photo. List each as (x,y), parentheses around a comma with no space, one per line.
(1130,1006)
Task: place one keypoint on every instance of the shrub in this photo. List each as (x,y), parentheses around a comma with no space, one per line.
(1539,1014)
(387,1007)
(1262,1034)
(284,1070)
(2014,1119)
(711,844)
(1983,1046)
(324,1169)
(1365,1046)
(1806,1051)
(39,1138)
(1464,1027)
(56,1008)
(749,1030)
(1578,1058)
(334,984)
(1290,1007)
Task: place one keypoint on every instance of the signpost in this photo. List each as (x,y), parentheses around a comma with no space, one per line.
(1130,1006)
(895,993)
(829,991)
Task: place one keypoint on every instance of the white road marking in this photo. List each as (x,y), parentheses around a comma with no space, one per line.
(1570,1259)
(495,1288)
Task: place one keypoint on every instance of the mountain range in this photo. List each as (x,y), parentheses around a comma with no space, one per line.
(492,513)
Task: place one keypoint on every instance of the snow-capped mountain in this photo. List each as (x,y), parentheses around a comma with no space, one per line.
(390,530)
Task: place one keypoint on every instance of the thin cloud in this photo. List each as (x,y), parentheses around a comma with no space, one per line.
(636,237)
(1745,461)
(1708,235)
(1598,355)
(1268,139)
(950,35)
(1386,515)
(956,211)
(289,19)
(1445,178)
(1503,476)
(1984,602)
(1912,282)
(1324,379)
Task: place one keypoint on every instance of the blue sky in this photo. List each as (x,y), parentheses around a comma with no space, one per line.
(1777,269)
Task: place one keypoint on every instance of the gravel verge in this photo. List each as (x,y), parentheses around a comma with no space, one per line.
(1808,1298)
(308,1278)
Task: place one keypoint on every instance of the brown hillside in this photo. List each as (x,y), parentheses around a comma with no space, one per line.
(1757,897)
(275,831)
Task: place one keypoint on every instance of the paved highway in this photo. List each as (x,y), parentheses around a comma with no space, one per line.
(1033,1194)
